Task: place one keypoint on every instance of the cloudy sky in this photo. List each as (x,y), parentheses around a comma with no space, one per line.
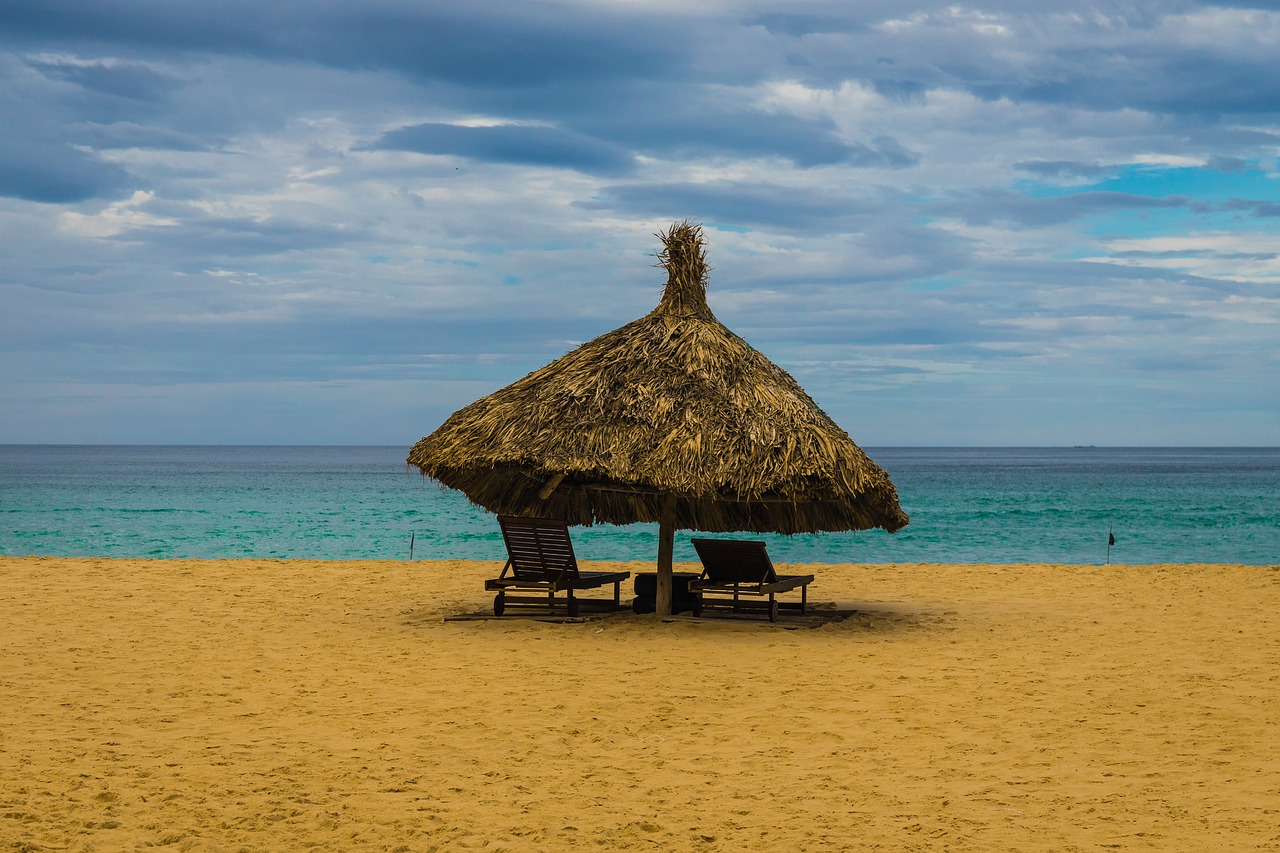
(336,221)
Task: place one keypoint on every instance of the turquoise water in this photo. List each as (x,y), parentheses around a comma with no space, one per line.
(967,505)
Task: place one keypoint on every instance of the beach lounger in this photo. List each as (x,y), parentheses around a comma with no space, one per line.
(738,574)
(540,557)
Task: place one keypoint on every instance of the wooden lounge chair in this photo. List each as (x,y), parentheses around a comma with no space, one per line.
(540,557)
(734,568)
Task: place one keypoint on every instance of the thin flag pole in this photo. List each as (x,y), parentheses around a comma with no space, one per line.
(411,537)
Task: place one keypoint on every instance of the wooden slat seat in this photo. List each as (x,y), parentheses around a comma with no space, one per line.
(734,568)
(540,557)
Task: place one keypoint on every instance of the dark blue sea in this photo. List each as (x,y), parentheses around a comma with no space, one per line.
(967,505)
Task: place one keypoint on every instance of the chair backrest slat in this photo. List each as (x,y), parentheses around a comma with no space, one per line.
(539,548)
(728,561)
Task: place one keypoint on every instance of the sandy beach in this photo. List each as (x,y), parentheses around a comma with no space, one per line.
(258,705)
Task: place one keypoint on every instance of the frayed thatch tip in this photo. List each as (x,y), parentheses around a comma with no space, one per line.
(685,260)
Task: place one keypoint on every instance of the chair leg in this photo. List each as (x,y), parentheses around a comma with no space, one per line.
(804,597)
(573,604)
(499,603)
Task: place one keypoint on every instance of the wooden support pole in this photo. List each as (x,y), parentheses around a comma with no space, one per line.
(550,486)
(666,548)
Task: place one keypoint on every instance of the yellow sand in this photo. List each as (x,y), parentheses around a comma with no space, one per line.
(255,705)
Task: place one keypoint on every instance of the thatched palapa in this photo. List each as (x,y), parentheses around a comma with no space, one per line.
(671,418)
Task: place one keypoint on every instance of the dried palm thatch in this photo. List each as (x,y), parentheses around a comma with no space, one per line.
(670,418)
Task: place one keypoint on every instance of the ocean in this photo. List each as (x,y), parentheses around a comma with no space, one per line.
(967,505)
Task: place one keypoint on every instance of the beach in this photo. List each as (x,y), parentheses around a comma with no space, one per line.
(288,705)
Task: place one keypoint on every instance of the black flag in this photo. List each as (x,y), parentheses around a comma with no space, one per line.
(1111,539)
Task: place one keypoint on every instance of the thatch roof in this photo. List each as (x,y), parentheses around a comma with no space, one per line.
(672,404)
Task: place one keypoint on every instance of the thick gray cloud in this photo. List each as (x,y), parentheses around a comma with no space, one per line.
(738,203)
(129,82)
(535,146)
(930,213)
(989,206)
(52,171)
(1255,206)
(505,44)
